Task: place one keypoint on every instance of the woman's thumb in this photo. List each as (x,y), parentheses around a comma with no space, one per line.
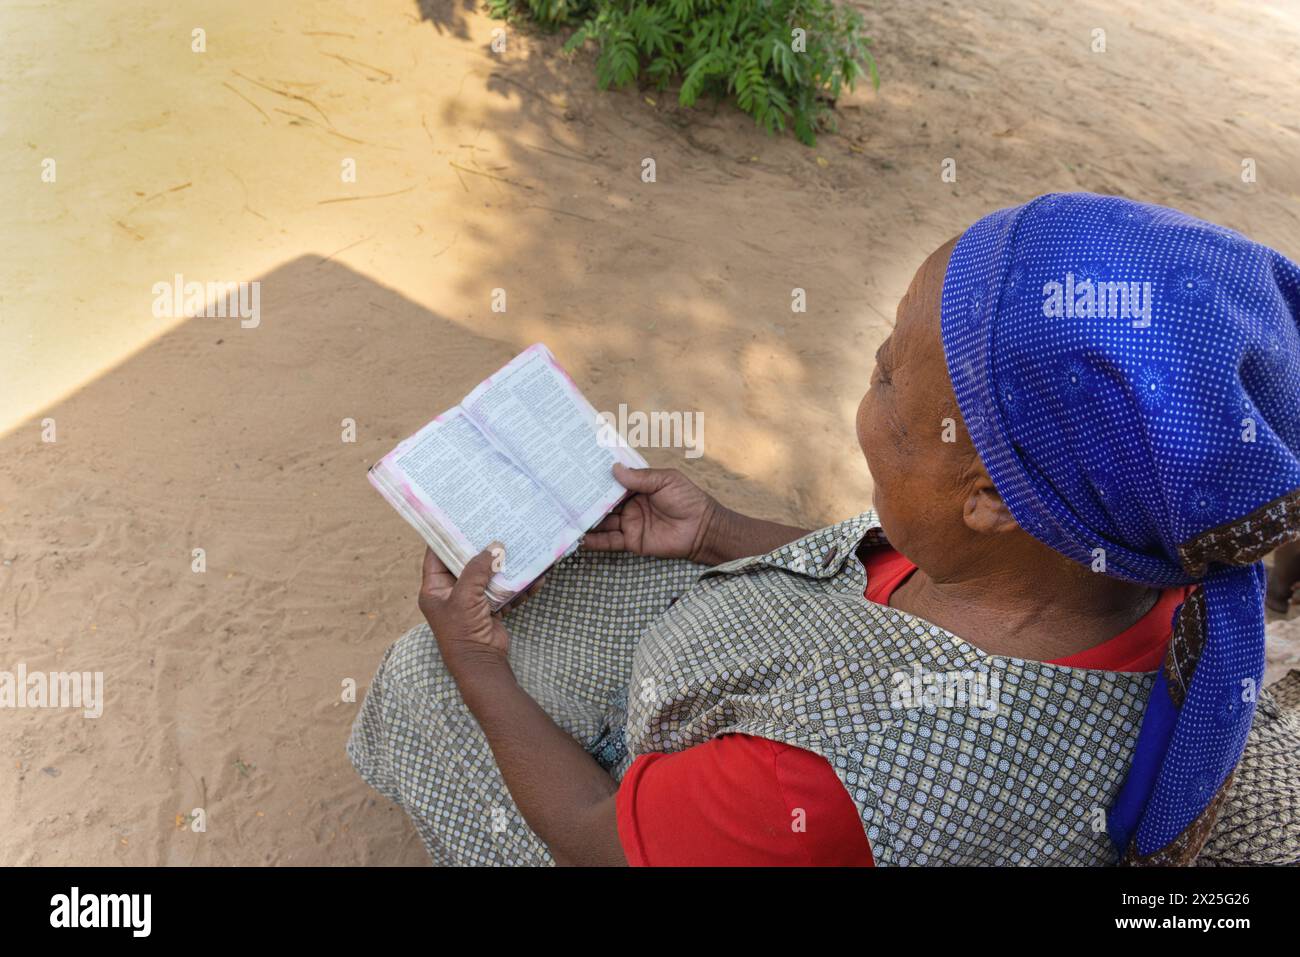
(478,571)
(645,481)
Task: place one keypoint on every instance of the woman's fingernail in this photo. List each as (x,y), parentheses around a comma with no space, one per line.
(498,556)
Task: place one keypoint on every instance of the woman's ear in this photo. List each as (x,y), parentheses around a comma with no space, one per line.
(984,510)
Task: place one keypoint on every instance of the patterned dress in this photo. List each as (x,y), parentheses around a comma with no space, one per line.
(951,756)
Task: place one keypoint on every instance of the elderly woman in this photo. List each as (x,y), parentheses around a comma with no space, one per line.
(1044,645)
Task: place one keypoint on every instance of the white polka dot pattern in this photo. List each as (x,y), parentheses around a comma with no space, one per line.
(782,646)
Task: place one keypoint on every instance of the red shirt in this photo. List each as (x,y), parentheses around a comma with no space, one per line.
(736,800)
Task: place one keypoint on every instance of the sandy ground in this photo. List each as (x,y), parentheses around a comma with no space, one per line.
(474,171)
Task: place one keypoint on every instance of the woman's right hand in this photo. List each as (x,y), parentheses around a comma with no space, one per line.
(667,516)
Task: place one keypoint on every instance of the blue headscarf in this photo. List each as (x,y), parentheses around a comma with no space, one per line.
(1130,377)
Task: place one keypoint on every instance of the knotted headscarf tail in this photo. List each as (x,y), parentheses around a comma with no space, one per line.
(1130,377)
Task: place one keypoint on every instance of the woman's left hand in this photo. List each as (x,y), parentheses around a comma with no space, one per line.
(563,794)
(468,632)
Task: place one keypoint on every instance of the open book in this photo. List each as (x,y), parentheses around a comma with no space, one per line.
(523,460)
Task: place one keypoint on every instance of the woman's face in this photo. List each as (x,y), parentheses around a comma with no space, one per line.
(910,429)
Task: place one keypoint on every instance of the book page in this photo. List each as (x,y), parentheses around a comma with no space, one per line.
(478,495)
(535,412)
